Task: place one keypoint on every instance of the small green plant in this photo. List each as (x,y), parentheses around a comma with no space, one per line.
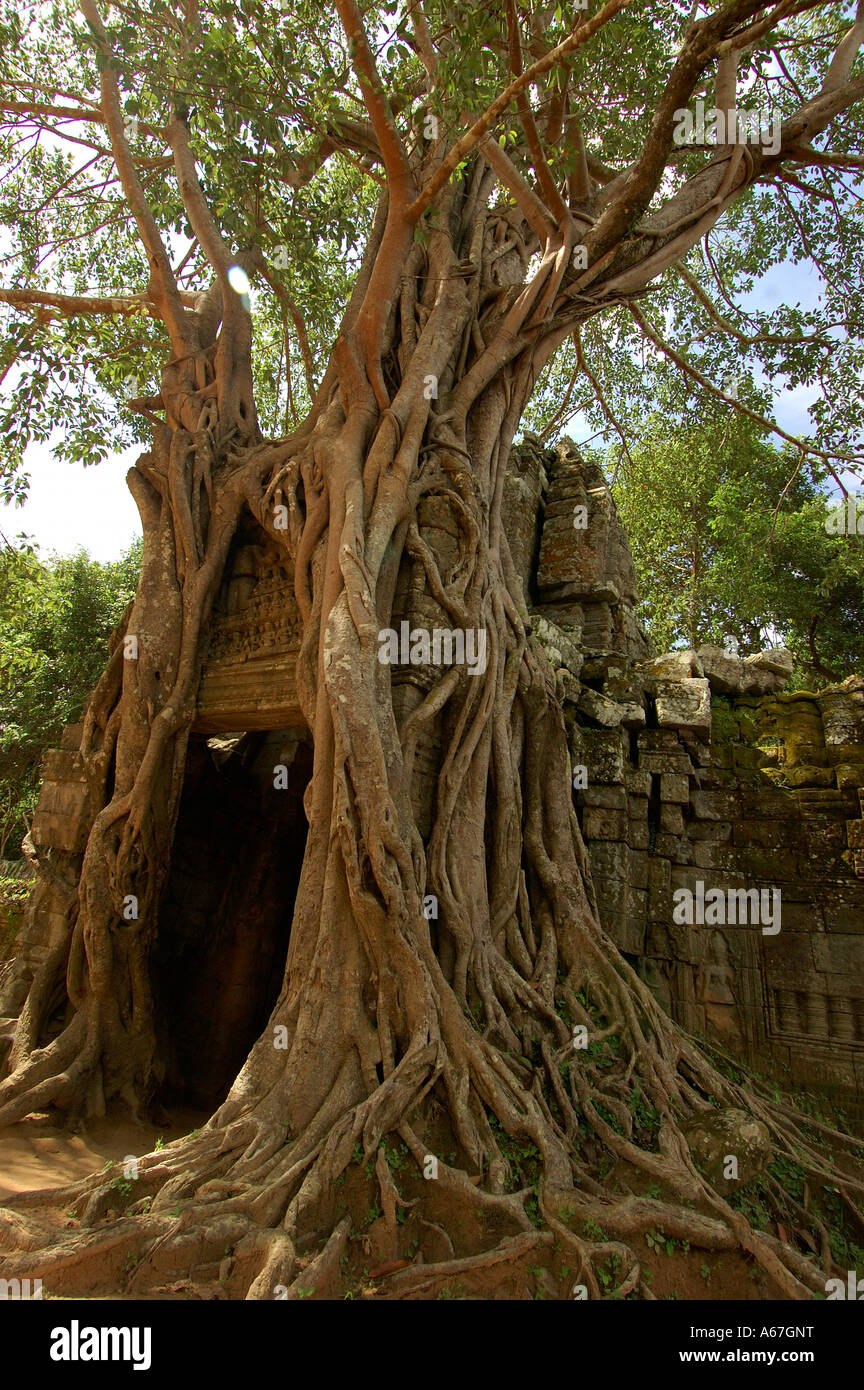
(612,1121)
(751,1202)
(532,1209)
(398,1155)
(605,1164)
(608,1276)
(645,1115)
(657,1240)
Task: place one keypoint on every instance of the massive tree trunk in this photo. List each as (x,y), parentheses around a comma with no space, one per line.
(456,1032)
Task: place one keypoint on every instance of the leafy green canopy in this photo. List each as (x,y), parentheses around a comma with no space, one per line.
(290,164)
(55,621)
(729,538)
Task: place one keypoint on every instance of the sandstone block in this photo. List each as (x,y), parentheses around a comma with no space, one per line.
(651,762)
(609,860)
(808,776)
(685,704)
(855,834)
(724,673)
(604,754)
(718,1134)
(638,783)
(713,805)
(600,824)
(673,666)
(608,712)
(674,788)
(607,798)
(638,834)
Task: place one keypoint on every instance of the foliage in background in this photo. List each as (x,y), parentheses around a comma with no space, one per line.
(289,169)
(729,539)
(55,620)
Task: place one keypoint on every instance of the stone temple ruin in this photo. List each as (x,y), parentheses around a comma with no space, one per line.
(698,769)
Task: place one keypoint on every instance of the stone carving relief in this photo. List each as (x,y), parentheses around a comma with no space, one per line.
(255,614)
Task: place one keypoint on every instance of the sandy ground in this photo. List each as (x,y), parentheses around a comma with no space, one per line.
(35,1154)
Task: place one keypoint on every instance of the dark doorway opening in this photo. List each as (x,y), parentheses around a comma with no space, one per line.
(226,913)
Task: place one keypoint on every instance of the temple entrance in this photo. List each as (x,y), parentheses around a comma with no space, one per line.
(226,914)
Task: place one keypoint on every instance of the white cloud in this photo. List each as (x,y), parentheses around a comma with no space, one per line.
(70,506)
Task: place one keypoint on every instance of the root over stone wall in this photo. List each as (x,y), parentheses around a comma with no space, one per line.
(692,768)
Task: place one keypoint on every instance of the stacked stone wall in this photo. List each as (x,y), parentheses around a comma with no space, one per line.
(690,768)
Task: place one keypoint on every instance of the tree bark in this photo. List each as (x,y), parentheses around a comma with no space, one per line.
(454,1034)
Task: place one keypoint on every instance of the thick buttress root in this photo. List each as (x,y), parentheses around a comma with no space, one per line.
(430,1117)
(369,1196)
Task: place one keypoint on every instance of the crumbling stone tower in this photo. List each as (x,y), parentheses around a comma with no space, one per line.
(694,768)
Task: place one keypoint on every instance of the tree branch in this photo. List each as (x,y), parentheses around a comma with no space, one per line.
(392,150)
(728,327)
(820,159)
(536,215)
(425,46)
(661,344)
(201,220)
(481,127)
(598,391)
(57,113)
(163,288)
(282,294)
(810,120)
(554,201)
(71,305)
(643,178)
(579,182)
(844,57)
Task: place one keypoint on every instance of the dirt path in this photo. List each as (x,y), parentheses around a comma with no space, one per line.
(35,1154)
